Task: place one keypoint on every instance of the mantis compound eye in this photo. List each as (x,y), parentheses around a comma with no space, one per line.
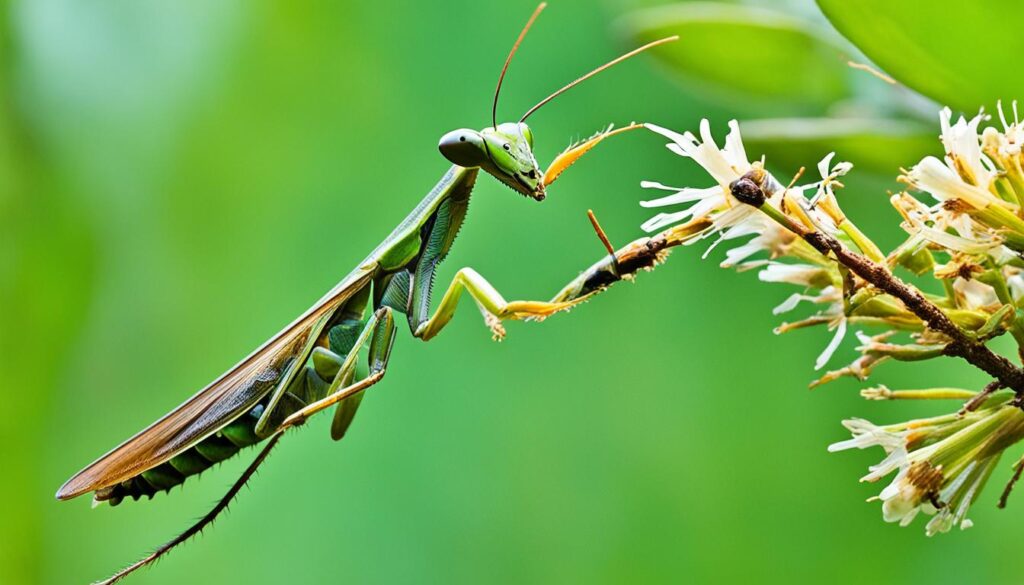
(463,147)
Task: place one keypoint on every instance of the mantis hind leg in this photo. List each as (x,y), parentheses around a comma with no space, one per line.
(379,333)
(491,303)
(328,369)
(299,384)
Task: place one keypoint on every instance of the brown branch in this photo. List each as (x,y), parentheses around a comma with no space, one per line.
(748,189)
(647,252)
(980,398)
(961,345)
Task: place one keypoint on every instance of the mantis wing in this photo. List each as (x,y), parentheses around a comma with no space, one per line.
(227,397)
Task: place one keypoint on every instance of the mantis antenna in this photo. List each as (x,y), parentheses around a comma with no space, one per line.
(607,65)
(522,34)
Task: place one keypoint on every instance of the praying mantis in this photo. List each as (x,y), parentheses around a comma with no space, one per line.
(312,364)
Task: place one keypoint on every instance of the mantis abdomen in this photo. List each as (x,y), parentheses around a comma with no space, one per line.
(219,446)
(311,385)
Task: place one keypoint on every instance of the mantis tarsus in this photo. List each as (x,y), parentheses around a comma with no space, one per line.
(311,365)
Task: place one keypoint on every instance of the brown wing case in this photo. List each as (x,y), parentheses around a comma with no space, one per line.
(231,395)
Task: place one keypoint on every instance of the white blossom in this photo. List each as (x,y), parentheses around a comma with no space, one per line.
(963,149)
(940,463)
(725,165)
(829,295)
(833,345)
(806,275)
(972,231)
(976,294)
(943,183)
(829,177)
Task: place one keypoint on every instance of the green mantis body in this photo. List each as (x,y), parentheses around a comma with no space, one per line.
(312,364)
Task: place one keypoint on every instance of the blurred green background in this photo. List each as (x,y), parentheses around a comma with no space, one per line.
(180,179)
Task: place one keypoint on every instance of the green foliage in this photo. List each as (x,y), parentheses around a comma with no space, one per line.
(755,56)
(961,54)
(789,73)
(874,144)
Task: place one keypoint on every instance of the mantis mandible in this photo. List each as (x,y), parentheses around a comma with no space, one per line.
(311,364)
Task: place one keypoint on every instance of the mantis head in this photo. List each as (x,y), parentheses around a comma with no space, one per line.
(505,151)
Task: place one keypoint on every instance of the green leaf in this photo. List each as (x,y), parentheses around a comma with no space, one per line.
(962,54)
(750,55)
(880,146)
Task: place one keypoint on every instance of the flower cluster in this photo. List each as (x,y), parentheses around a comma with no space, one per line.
(964,227)
(941,463)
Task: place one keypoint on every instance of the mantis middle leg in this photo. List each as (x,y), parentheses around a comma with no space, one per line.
(491,303)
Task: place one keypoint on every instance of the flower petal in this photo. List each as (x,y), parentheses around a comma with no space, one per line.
(683,196)
(832,346)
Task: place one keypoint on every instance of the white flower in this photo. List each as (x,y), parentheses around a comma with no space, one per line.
(944,183)
(837,339)
(902,499)
(806,275)
(981,244)
(770,237)
(865,434)
(949,228)
(813,277)
(810,276)
(704,202)
(976,294)
(959,496)
(1004,145)
(729,217)
(914,212)
(1014,133)
(725,165)
(829,295)
(941,462)
(963,150)
(1016,283)
(829,177)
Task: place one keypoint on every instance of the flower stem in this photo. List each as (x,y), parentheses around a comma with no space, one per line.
(962,344)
